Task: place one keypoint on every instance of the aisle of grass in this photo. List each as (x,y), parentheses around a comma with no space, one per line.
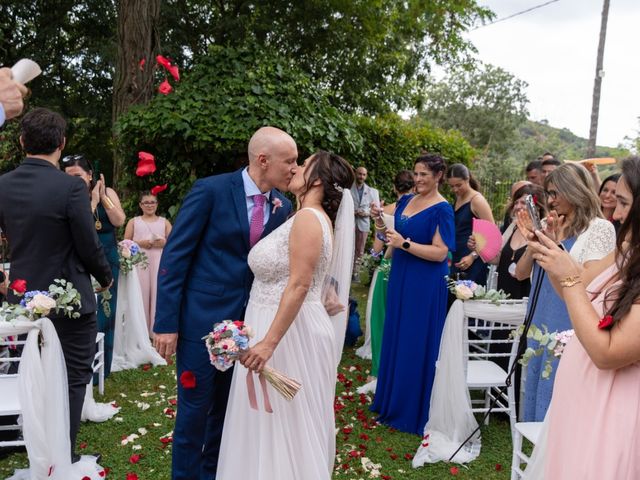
(137,440)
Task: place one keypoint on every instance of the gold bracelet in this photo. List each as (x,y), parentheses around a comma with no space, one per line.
(570,281)
(108,203)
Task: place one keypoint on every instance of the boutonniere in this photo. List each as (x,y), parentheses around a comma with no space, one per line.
(277,203)
(605,322)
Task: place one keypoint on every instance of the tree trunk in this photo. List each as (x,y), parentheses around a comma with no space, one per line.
(138,40)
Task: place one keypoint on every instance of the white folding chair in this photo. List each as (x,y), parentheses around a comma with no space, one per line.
(98,361)
(484,374)
(530,431)
(9,401)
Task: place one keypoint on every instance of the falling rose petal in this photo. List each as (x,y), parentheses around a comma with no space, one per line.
(158,188)
(453,470)
(174,71)
(146,164)
(188,379)
(165,88)
(164,61)
(135,458)
(141,63)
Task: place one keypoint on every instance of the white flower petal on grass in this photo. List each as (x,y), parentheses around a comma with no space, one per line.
(136,447)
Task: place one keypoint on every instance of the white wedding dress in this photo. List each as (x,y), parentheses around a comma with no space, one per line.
(297,440)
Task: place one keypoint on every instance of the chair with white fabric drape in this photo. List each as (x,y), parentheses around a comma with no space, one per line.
(451,418)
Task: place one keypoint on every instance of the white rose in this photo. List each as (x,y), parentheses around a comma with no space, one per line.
(126,253)
(41,304)
(463,292)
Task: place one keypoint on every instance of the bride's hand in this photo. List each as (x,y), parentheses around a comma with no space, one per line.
(256,357)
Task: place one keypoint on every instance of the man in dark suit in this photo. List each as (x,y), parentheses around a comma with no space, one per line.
(46,216)
(204,278)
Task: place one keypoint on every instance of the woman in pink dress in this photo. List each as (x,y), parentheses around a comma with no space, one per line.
(150,232)
(594,417)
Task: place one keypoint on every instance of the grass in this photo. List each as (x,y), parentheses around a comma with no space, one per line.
(147,400)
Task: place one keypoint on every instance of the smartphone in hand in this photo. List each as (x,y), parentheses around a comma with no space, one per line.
(533,212)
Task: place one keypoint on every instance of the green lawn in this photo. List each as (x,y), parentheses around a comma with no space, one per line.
(147,398)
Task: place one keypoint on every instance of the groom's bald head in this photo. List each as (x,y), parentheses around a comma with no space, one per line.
(272,158)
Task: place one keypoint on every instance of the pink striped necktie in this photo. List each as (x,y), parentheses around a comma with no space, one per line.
(257,219)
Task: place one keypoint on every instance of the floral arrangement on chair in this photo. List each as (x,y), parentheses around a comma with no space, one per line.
(553,342)
(61,297)
(470,290)
(131,256)
(365,266)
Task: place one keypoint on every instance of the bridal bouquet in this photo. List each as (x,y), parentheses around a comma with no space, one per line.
(470,290)
(228,340)
(130,256)
(61,297)
(552,342)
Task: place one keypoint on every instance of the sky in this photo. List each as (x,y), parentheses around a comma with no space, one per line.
(554,50)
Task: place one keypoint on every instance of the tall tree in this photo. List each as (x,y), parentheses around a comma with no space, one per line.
(138,44)
(486,104)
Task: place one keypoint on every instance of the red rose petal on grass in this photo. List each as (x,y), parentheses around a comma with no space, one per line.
(133,459)
(393,456)
(378,439)
(106,471)
(19,286)
(498,467)
(132,476)
(165,88)
(158,188)
(347,430)
(173,401)
(146,366)
(166,440)
(354,453)
(386,477)
(408,456)
(605,322)
(364,436)
(83,445)
(453,470)
(146,164)
(345,466)
(188,379)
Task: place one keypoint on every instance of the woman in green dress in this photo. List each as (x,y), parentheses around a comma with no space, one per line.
(109,215)
(402,184)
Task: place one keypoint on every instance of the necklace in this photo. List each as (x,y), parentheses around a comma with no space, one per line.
(98,223)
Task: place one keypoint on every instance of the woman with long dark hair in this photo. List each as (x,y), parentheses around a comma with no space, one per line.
(594,417)
(108,215)
(469,204)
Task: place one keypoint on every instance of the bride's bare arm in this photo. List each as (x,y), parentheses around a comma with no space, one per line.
(305,246)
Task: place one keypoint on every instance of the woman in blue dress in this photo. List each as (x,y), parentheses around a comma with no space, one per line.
(587,236)
(108,215)
(469,204)
(416,299)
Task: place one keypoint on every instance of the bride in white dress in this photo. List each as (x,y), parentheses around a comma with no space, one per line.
(294,334)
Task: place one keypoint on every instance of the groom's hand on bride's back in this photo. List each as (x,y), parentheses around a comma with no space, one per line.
(165,344)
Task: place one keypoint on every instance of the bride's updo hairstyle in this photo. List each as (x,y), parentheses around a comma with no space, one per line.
(336,174)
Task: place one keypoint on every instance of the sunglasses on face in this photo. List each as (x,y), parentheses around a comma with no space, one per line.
(71,160)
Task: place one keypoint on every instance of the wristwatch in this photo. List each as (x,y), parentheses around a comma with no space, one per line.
(474,254)
(406,244)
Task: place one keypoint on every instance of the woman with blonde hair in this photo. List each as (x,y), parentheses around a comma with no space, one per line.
(577,223)
(593,425)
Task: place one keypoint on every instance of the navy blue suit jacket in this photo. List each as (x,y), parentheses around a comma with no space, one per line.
(204,277)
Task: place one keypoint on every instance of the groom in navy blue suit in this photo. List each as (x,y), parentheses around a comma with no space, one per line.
(204,278)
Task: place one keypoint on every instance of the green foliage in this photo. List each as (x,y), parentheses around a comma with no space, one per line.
(485,103)
(203,127)
(392,144)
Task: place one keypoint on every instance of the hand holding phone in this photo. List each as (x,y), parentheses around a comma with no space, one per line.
(533,212)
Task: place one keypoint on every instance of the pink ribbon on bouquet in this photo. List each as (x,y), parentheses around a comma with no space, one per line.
(251,389)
